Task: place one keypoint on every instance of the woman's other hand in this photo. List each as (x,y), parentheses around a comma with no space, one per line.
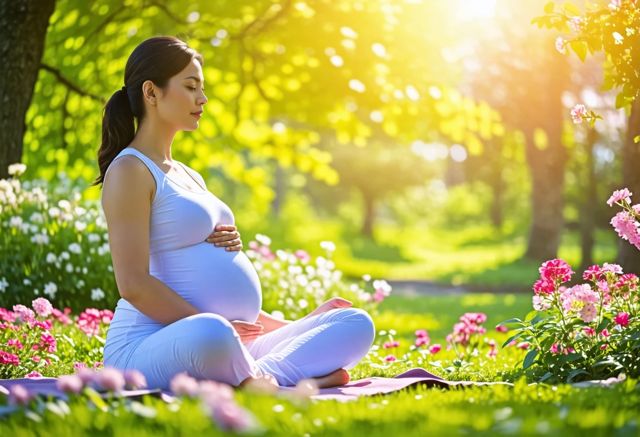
(226,236)
(248,331)
(334,302)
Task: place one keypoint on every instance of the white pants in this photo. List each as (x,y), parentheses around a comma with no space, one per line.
(206,346)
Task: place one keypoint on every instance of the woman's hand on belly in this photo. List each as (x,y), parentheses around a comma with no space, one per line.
(226,236)
(248,331)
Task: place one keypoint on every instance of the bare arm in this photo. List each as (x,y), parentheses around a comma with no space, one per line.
(126,200)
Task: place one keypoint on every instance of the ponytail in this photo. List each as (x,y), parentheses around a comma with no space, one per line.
(157,59)
(118,130)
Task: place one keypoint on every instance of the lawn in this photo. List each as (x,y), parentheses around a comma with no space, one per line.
(520,410)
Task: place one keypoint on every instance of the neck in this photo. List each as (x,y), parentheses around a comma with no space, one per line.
(154,140)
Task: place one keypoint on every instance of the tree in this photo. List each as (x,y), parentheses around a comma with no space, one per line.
(612,30)
(23,27)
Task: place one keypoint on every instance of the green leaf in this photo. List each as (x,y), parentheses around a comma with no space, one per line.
(570,357)
(580,48)
(575,373)
(510,339)
(529,358)
(94,397)
(513,320)
(549,7)
(530,316)
(621,101)
(572,9)
(636,139)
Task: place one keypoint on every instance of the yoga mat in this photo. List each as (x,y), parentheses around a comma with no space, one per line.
(362,387)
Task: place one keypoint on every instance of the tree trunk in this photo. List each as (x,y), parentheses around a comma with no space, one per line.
(23,29)
(547,164)
(628,255)
(369,215)
(587,219)
(497,187)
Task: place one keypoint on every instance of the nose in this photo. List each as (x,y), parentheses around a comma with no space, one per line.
(203,99)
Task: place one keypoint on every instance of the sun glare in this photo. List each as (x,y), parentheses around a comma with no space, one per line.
(476,9)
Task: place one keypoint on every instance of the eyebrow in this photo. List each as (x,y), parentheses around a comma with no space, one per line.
(194,78)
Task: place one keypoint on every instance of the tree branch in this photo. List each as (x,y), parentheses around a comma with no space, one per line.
(70,85)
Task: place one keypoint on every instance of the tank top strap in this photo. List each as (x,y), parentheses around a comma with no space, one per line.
(158,174)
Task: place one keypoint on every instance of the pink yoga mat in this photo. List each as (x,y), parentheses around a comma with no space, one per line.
(362,387)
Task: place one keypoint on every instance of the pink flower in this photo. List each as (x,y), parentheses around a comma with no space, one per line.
(184,385)
(589,331)
(628,281)
(390,358)
(86,375)
(47,342)
(593,273)
(70,384)
(560,45)
(42,307)
(231,417)
(636,209)
(605,333)
(421,341)
(588,313)
(626,227)
(134,379)
(542,286)
(212,392)
(523,345)
(578,113)
(302,256)
(435,348)
(604,346)
(34,374)
(25,314)
(555,270)
(503,328)
(576,24)
(79,365)
(9,358)
(612,268)
(19,395)
(62,317)
(623,196)
(15,343)
(622,319)
(477,318)
(110,379)
(554,349)
(421,333)
(540,303)
(391,344)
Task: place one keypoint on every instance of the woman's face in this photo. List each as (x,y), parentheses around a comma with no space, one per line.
(183,98)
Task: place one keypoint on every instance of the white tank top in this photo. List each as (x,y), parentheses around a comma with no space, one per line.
(209,277)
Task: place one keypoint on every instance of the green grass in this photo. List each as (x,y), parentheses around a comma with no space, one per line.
(520,410)
(477,255)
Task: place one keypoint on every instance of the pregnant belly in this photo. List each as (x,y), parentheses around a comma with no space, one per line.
(211,279)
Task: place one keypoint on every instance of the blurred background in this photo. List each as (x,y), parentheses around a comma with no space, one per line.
(431,141)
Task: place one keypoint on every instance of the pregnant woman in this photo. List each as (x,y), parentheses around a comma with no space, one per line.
(190,298)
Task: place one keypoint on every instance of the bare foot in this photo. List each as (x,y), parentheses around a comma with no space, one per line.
(265,383)
(333,379)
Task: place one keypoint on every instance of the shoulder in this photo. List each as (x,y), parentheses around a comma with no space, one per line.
(128,174)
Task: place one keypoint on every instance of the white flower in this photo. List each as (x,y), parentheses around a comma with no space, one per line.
(85,270)
(69,268)
(560,45)
(80,226)
(277,314)
(26,281)
(17,169)
(75,248)
(3,284)
(40,239)
(97,294)
(54,212)
(302,280)
(79,211)
(366,277)
(15,222)
(263,239)
(36,217)
(617,38)
(64,205)
(80,283)
(303,303)
(65,255)
(93,238)
(50,289)
(51,258)
(328,246)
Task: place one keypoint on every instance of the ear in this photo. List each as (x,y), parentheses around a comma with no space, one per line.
(149,92)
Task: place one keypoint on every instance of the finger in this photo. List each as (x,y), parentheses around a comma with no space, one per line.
(224,234)
(225,228)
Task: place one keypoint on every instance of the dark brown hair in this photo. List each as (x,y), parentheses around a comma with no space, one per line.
(156,59)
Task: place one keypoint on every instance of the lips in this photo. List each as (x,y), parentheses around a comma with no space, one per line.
(197,114)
